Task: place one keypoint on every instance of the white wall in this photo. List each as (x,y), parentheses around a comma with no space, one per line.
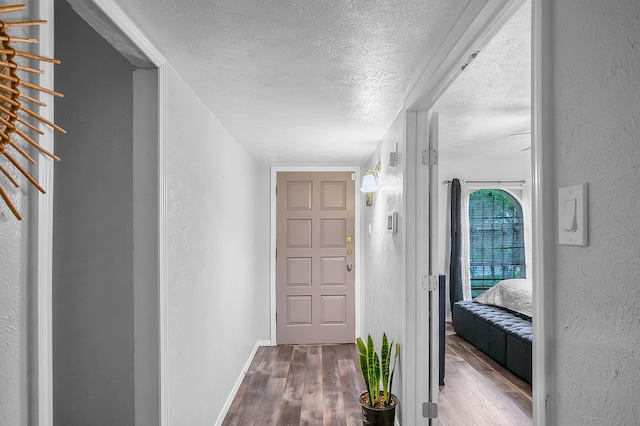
(383,288)
(14,318)
(592,70)
(218,259)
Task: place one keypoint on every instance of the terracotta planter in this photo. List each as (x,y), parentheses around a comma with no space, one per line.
(379,416)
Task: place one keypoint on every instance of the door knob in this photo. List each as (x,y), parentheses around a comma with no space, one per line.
(349,267)
(349,251)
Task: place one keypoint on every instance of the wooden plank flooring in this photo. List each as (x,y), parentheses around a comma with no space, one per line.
(479,391)
(320,385)
(299,385)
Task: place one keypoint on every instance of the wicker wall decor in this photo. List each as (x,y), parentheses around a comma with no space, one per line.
(14,112)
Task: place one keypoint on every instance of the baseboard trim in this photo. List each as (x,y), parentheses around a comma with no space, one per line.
(232,394)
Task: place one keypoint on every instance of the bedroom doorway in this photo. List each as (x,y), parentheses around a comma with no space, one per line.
(423,192)
(485,135)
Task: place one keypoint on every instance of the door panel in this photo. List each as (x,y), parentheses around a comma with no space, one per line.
(334,196)
(299,271)
(334,310)
(334,233)
(315,295)
(299,233)
(334,271)
(299,195)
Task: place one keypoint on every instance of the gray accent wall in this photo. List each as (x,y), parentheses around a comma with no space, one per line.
(145,246)
(93,292)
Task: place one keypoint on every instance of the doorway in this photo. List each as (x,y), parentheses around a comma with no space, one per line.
(464,48)
(485,141)
(105,225)
(485,135)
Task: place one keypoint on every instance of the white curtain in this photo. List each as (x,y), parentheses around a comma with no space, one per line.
(525,201)
(465,191)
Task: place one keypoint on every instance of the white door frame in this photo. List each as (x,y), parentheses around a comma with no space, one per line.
(139,39)
(42,222)
(358,236)
(542,230)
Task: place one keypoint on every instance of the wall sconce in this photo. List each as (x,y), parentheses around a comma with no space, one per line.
(369,181)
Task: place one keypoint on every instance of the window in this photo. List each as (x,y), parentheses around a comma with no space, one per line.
(496,239)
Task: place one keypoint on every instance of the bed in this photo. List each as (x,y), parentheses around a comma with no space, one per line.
(498,322)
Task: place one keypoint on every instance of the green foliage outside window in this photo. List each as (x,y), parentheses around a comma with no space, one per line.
(496,239)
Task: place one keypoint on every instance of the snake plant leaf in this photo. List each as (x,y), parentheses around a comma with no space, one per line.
(395,357)
(364,366)
(385,354)
(376,369)
(373,380)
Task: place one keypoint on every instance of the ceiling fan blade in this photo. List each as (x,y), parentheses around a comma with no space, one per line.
(520,133)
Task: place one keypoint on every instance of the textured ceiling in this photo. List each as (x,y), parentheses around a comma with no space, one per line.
(487,109)
(315,82)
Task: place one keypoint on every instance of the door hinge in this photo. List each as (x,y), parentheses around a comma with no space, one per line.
(276,189)
(429,157)
(429,410)
(429,282)
(276,252)
(276,317)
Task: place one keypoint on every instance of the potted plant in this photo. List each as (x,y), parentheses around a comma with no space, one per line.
(378,405)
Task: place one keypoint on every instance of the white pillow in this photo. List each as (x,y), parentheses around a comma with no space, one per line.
(514,294)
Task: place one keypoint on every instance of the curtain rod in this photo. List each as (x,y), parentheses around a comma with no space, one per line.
(522,181)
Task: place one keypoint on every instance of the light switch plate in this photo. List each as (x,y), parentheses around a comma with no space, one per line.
(572,215)
(392,223)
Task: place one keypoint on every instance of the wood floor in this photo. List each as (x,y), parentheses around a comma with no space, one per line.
(319,385)
(299,385)
(479,391)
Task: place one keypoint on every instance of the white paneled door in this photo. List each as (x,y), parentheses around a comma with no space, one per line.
(315,295)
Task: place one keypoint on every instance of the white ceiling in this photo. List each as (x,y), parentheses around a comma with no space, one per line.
(318,82)
(487,109)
